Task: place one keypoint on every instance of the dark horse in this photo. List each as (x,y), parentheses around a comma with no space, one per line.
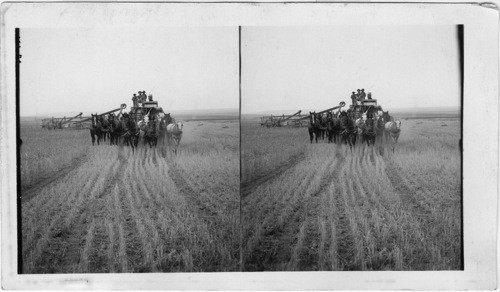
(322,125)
(349,130)
(379,128)
(162,129)
(104,127)
(369,133)
(333,127)
(131,136)
(385,119)
(151,134)
(95,129)
(314,127)
(116,129)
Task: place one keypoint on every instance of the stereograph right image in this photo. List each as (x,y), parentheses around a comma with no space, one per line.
(351,148)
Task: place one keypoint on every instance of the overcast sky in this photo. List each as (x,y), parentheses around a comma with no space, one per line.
(95,70)
(314,68)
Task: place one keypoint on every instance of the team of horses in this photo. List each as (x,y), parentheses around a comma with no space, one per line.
(346,127)
(122,129)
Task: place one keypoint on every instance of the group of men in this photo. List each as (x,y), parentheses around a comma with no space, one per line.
(360,95)
(140,98)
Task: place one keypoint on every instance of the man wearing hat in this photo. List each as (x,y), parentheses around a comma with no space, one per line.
(134,100)
(363,94)
(358,95)
(353,97)
(141,97)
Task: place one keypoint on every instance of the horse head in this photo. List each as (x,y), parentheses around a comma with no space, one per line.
(379,121)
(180,125)
(128,122)
(369,124)
(162,124)
(359,123)
(319,117)
(386,117)
(398,124)
(96,121)
(168,119)
(104,121)
(312,118)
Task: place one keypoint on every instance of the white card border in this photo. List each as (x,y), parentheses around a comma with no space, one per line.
(480,135)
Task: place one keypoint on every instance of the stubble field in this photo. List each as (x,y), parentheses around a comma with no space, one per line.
(322,207)
(105,209)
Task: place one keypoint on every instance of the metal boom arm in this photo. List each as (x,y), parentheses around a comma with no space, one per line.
(289,117)
(342,104)
(69,120)
(122,106)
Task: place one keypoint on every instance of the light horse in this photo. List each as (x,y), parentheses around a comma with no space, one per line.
(314,127)
(393,129)
(174,134)
(95,129)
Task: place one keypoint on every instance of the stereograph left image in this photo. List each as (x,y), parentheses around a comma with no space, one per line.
(129,150)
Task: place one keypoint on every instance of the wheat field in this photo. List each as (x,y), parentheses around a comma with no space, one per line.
(330,208)
(106,209)
(304,207)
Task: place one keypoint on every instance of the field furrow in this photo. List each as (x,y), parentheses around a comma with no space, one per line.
(121,210)
(368,208)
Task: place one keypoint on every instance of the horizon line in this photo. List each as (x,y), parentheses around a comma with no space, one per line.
(91,112)
(392,109)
